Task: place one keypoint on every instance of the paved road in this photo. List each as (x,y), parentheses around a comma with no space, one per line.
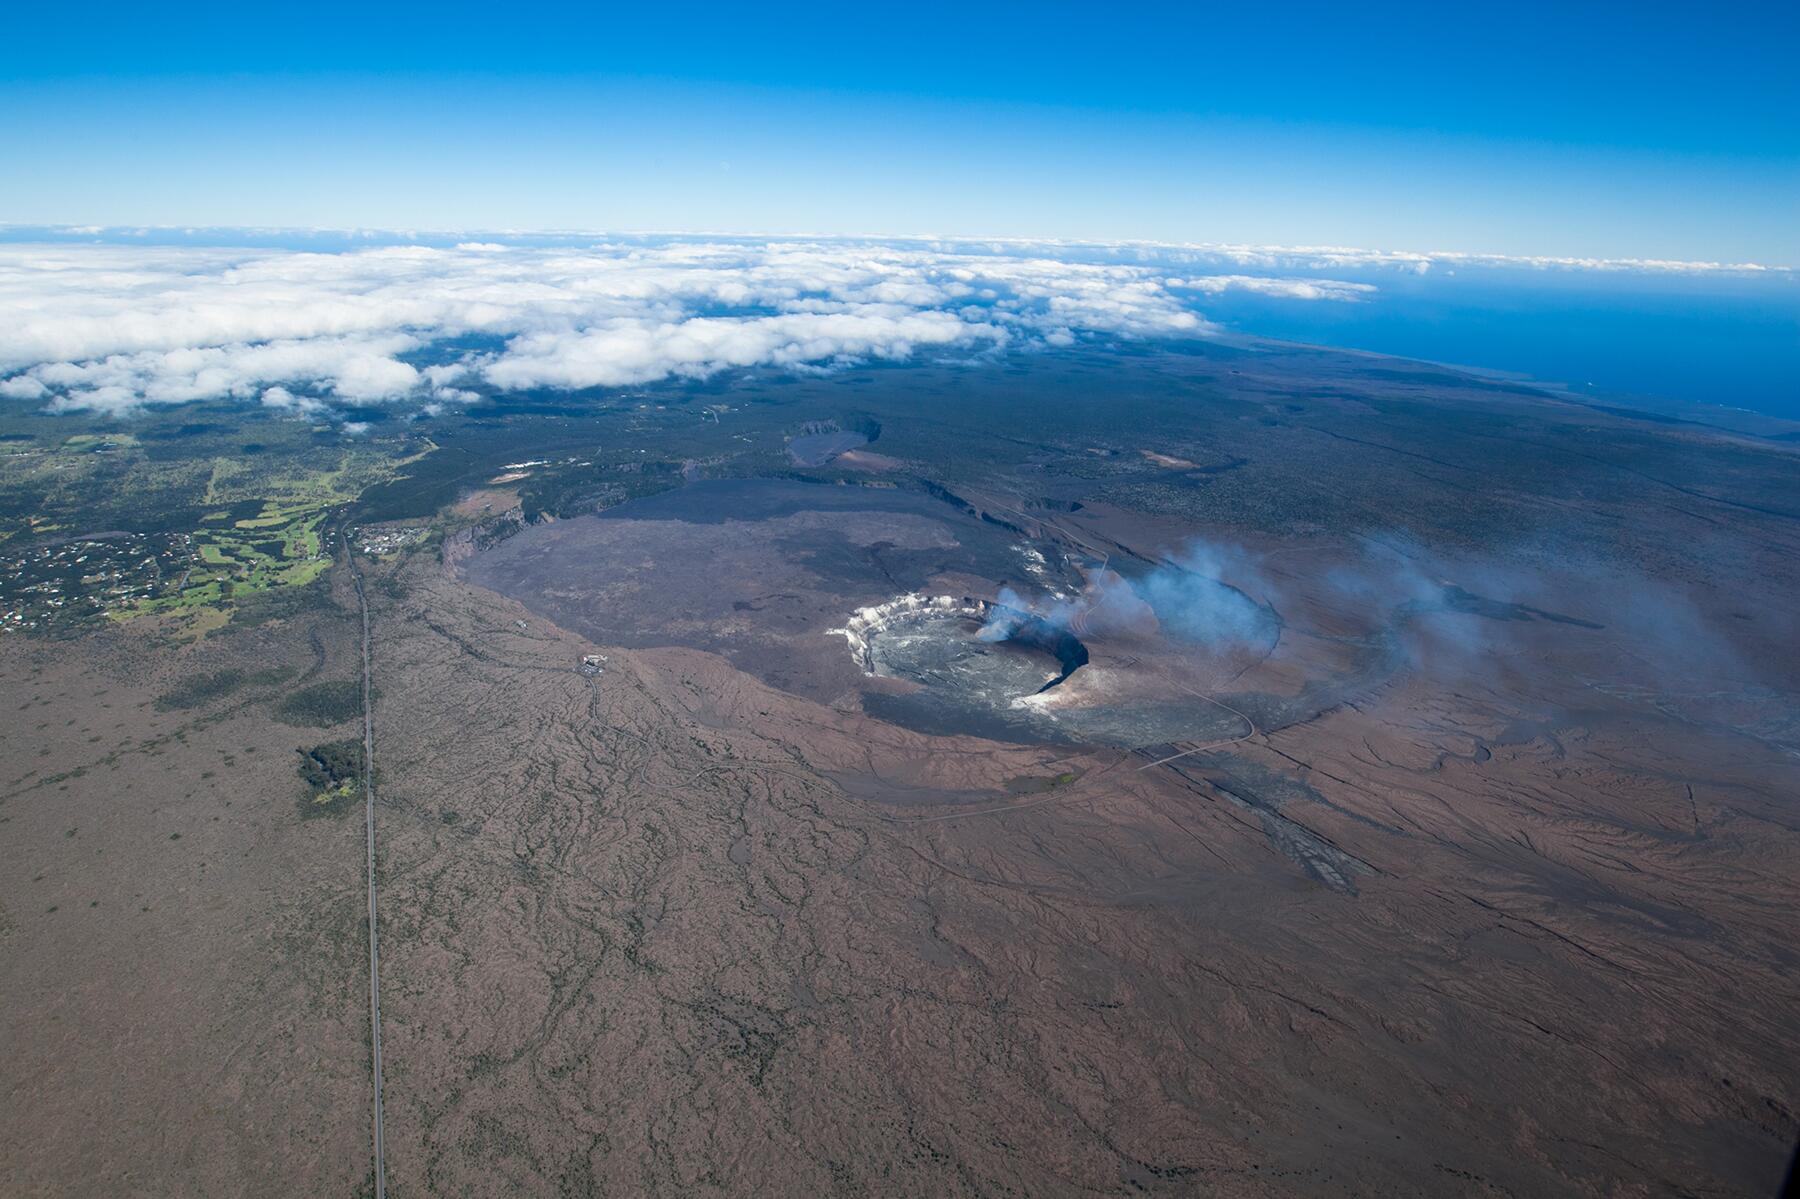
(362,602)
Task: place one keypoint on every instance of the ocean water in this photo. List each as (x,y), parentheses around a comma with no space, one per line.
(1660,339)
(1635,337)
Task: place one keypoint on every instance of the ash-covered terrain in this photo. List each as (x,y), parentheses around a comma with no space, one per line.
(1317,789)
(1230,771)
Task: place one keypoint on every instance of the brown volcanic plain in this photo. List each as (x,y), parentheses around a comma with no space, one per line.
(1470,872)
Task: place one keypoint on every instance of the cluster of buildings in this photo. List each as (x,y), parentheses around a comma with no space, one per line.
(388,539)
(69,581)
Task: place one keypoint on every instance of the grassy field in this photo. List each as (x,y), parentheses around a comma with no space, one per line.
(265,529)
(174,516)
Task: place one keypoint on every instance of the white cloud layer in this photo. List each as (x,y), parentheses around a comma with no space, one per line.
(114,327)
(1316,258)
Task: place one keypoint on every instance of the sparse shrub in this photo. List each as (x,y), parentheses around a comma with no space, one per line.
(322,704)
(199,689)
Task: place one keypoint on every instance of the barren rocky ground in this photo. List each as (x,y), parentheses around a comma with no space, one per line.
(1490,893)
(179,949)
(650,946)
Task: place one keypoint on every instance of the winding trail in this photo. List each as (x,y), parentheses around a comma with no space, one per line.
(362,603)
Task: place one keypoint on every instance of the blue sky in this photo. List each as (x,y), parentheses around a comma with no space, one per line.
(1596,130)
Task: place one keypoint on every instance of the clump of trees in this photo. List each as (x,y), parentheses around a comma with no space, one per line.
(333,776)
(332,763)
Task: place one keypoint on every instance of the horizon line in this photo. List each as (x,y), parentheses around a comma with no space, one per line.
(1417,260)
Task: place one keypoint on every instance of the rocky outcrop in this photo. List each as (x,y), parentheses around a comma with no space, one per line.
(464,543)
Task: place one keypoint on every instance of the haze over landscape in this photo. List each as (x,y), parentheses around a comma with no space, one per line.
(1023,602)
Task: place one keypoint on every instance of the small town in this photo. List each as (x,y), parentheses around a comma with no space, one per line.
(71,582)
(383,540)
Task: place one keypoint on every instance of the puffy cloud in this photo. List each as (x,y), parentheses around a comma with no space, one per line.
(285,400)
(111,326)
(359,369)
(625,352)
